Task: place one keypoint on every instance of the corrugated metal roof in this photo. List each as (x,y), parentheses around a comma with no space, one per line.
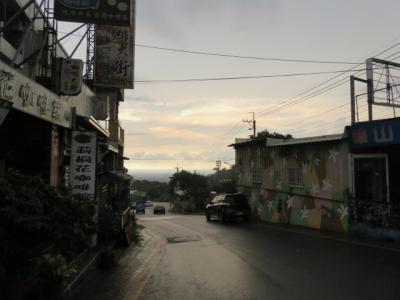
(307,140)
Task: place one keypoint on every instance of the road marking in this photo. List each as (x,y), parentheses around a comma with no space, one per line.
(320,235)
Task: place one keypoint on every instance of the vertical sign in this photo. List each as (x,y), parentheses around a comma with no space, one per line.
(114,58)
(83,162)
(54,157)
(70,79)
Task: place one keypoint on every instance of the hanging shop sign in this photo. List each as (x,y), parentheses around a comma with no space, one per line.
(114,58)
(113,12)
(5,107)
(32,98)
(83,162)
(375,133)
(70,76)
(101,107)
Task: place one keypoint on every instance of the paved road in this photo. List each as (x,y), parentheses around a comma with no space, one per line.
(201,260)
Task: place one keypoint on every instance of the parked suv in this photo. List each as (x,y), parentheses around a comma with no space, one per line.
(227,207)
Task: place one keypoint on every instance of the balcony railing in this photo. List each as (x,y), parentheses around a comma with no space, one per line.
(117,133)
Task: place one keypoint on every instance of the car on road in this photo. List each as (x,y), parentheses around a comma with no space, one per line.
(140,207)
(227,207)
(159,209)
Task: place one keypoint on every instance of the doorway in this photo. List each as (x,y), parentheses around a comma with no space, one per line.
(371,177)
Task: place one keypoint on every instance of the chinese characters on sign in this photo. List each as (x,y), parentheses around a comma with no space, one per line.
(114,56)
(116,12)
(28,96)
(83,162)
(70,79)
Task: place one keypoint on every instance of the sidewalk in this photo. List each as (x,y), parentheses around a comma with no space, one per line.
(124,280)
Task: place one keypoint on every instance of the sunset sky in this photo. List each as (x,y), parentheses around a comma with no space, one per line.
(191,124)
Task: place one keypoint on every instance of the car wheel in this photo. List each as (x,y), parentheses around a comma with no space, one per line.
(246,218)
(208,218)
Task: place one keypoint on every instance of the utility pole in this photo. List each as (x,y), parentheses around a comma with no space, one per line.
(252,124)
(218,165)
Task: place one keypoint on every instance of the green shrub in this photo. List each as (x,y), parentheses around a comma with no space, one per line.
(40,227)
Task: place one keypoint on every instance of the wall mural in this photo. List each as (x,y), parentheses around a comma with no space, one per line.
(320,203)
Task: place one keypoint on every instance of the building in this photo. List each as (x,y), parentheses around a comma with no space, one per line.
(41,109)
(343,182)
(296,181)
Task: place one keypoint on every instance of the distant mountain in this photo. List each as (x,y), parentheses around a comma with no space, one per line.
(159,175)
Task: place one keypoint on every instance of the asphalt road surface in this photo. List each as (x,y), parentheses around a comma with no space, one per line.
(208,260)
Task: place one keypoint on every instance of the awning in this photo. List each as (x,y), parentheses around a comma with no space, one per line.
(92,123)
(119,175)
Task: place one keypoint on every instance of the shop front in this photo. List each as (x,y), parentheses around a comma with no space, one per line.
(34,126)
(375,190)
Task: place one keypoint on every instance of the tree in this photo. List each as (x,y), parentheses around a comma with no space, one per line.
(155,190)
(266,134)
(223,181)
(194,188)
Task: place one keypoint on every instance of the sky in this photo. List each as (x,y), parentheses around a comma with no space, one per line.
(190,124)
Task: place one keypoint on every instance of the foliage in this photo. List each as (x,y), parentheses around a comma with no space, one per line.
(223,181)
(156,191)
(55,268)
(38,220)
(266,134)
(194,187)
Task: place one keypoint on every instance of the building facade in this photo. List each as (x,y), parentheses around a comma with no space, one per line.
(38,120)
(296,181)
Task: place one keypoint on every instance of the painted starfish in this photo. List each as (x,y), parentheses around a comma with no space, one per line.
(289,202)
(270,205)
(343,211)
(332,154)
(327,186)
(304,213)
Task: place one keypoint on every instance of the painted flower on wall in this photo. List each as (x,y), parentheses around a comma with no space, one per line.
(305,213)
(332,154)
(270,205)
(343,211)
(326,185)
(314,189)
(305,168)
(279,185)
(271,172)
(289,202)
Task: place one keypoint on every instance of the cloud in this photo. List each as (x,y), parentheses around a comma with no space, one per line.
(129,115)
(177,133)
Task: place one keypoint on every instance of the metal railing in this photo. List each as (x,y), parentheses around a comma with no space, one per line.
(375,213)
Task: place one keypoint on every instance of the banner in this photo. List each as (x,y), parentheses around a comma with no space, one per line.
(112,12)
(114,58)
(32,98)
(83,162)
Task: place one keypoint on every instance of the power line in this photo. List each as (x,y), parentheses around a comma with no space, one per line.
(245,57)
(243,77)
(324,89)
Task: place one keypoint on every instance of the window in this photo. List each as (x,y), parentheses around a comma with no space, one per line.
(296,177)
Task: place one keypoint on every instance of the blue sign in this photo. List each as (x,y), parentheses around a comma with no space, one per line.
(374,133)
